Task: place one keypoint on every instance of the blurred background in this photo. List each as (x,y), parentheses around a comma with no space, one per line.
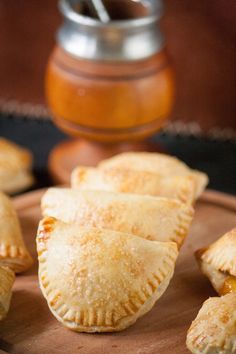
(201,42)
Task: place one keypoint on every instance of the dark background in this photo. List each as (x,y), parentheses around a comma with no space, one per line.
(201,40)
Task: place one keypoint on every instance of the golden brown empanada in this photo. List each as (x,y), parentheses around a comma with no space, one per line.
(214,329)
(157,163)
(132,181)
(153,218)
(15,166)
(97,280)
(7,278)
(218,263)
(13,252)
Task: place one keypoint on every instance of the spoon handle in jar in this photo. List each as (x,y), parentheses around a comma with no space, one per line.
(100,10)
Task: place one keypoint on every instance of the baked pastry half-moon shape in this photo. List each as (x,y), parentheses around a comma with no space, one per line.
(214,329)
(97,280)
(157,163)
(15,167)
(218,263)
(132,181)
(13,252)
(7,277)
(153,218)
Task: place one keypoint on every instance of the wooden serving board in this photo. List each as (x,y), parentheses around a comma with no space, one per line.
(31,328)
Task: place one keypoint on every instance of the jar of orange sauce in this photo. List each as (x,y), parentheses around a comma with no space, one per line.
(110,81)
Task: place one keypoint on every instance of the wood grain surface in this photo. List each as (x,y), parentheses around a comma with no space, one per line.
(31,328)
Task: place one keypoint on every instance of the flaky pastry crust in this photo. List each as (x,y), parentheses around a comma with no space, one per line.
(157,163)
(15,167)
(98,280)
(153,218)
(7,278)
(131,181)
(13,252)
(218,261)
(214,330)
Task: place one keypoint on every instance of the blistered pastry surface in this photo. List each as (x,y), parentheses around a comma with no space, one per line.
(214,331)
(100,280)
(153,218)
(13,252)
(134,181)
(157,163)
(15,167)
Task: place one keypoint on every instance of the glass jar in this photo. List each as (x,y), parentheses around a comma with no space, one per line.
(112,81)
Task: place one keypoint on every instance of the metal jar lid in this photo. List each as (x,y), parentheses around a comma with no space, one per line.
(118,40)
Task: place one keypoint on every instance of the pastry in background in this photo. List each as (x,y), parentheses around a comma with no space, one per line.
(7,278)
(165,165)
(97,280)
(218,263)
(13,252)
(153,218)
(214,329)
(134,181)
(15,167)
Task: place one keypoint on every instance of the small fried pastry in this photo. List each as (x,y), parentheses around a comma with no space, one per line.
(218,263)
(97,280)
(13,252)
(167,166)
(153,218)
(7,278)
(214,329)
(132,181)
(15,167)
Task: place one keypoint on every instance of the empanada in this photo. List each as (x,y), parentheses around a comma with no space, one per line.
(214,329)
(157,163)
(153,218)
(134,181)
(7,278)
(15,166)
(13,252)
(218,263)
(97,280)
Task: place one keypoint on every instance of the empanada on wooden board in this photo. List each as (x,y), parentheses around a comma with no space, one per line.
(13,252)
(7,277)
(153,218)
(98,280)
(214,329)
(134,181)
(218,262)
(162,330)
(162,164)
(15,167)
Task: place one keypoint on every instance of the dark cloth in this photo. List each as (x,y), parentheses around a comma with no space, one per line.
(216,158)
